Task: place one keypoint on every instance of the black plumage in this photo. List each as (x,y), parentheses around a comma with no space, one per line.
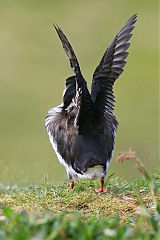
(82,129)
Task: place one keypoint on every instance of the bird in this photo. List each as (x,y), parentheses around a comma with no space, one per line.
(82,129)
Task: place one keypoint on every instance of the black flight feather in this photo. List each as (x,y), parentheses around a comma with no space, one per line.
(76,86)
(110,68)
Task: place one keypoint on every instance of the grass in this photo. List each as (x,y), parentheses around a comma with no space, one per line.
(130,210)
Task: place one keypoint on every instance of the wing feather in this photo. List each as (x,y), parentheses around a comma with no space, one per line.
(76,88)
(110,68)
(68,50)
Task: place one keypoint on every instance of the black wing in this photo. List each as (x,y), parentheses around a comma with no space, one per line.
(70,84)
(109,69)
(69,51)
(76,86)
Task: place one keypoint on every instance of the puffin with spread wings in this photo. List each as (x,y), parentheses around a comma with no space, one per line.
(82,129)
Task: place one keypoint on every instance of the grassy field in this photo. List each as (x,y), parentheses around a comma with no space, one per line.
(129,210)
(33,68)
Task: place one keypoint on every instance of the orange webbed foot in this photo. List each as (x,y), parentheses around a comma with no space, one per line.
(71,184)
(101,190)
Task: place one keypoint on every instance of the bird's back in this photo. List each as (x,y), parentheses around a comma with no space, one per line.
(80,151)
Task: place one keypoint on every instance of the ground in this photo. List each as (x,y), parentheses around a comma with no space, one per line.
(127,208)
(83,198)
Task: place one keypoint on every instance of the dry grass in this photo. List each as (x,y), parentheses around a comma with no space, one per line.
(83,199)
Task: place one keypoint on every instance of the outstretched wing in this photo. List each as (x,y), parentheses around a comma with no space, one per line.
(68,50)
(110,68)
(70,84)
(76,87)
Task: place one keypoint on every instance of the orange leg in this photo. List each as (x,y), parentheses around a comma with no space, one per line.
(102,188)
(71,184)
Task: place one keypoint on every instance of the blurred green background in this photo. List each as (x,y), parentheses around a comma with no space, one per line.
(33,68)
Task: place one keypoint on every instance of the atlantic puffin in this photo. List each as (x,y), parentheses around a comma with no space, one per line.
(82,129)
